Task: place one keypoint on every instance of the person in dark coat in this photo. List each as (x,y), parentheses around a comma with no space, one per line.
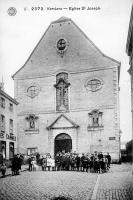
(67,162)
(30,163)
(72,162)
(102,165)
(37,158)
(100,156)
(58,162)
(63,162)
(82,162)
(96,165)
(44,163)
(14,165)
(77,159)
(109,160)
(18,163)
(91,163)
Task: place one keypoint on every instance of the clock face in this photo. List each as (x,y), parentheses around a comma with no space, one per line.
(61,45)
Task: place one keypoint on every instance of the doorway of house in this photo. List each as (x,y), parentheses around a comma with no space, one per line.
(62,143)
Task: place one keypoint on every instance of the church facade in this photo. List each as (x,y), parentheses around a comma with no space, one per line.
(68,94)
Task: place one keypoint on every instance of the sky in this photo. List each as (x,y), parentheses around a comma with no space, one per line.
(106,27)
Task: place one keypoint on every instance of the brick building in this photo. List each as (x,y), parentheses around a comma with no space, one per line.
(8,124)
(68,94)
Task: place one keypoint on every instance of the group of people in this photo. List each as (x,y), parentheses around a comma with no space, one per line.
(96,162)
(16,163)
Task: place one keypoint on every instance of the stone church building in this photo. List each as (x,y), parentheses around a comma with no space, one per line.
(68,94)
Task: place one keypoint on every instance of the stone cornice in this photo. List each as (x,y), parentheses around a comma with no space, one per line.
(103,107)
(68,71)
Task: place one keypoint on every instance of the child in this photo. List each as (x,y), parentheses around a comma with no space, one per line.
(34,165)
(49,162)
(53,164)
(3,169)
(44,163)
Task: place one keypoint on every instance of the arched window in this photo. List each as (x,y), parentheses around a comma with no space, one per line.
(62,91)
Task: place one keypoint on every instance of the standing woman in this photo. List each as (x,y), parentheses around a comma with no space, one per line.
(49,162)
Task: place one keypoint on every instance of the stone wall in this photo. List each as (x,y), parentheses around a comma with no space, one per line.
(81,103)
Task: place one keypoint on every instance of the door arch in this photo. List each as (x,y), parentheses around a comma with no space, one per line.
(62,143)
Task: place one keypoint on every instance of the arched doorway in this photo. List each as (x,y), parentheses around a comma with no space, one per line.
(62,143)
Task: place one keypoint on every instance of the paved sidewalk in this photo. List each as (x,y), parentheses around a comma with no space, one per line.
(117,184)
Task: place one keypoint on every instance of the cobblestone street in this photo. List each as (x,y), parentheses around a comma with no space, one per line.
(117,184)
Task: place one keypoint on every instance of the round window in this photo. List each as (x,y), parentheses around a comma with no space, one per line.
(94,84)
(32,91)
(61,45)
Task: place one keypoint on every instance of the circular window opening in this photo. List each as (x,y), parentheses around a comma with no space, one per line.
(61,45)
(32,91)
(94,85)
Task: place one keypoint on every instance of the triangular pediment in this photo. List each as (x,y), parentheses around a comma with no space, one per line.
(80,54)
(62,122)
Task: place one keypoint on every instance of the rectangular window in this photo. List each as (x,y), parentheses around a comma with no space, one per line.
(11,107)
(2,124)
(111,138)
(11,127)
(2,102)
(32,151)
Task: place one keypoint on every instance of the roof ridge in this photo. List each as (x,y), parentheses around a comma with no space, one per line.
(61,19)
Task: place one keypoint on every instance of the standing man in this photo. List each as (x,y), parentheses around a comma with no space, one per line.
(82,162)
(109,160)
(77,162)
(30,163)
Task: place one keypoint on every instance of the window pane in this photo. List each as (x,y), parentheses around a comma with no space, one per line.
(62,92)
(2,102)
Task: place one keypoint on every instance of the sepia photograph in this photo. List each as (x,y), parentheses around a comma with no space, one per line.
(66,100)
